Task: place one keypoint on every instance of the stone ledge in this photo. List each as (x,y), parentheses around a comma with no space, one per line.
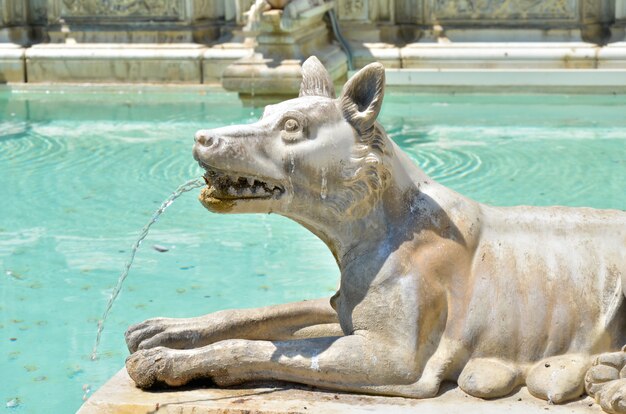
(493,55)
(119,395)
(503,80)
(115,50)
(115,63)
(478,65)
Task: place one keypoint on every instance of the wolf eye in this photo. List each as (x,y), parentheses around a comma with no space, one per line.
(291,125)
(292,129)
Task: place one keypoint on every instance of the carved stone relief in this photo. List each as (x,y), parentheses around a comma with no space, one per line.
(353,9)
(409,12)
(598,11)
(502,10)
(37,11)
(11,12)
(208,9)
(384,10)
(160,9)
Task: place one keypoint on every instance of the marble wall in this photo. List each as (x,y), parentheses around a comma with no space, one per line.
(201,21)
(494,20)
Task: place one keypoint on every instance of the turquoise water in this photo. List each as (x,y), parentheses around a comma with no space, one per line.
(82,172)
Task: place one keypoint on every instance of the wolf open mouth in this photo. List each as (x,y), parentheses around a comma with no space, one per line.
(233,187)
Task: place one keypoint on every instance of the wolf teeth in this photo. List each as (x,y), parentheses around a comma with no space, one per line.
(241,186)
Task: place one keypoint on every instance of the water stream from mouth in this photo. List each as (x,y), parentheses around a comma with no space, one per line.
(188,186)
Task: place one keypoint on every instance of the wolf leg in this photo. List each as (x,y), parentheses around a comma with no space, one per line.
(280,322)
(350,363)
(605,381)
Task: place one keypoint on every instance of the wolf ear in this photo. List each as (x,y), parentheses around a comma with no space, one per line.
(362,97)
(316,80)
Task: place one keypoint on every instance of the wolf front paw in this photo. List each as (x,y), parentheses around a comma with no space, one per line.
(167,332)
(149,367)
(606,381)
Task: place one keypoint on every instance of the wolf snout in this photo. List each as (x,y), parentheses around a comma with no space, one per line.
(205,138)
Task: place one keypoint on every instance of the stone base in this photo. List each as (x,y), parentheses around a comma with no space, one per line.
(257,75)
(120,395)
(275,67)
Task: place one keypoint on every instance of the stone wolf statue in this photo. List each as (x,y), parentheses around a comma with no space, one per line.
(434,286)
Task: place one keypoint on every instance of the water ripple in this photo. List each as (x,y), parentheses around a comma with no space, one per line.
(509,166)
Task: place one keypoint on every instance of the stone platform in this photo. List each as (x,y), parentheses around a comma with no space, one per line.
(119,395)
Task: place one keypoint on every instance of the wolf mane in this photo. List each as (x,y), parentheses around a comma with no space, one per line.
(365,177)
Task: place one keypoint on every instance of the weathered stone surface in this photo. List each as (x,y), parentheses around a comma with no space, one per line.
(103,63)
(503,80)
(597,21)
(163,9)
(217,58)
(282,45)
(124,21)
(501,10)
(11,63)
(501,56)
(385,53)
(256,75)
(120,395)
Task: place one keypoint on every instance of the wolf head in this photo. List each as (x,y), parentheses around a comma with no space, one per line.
(306,158)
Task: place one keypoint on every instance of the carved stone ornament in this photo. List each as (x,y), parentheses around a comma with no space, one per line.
(12,12)
(120,8)
(503,9)
(353,9)
(434,286)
